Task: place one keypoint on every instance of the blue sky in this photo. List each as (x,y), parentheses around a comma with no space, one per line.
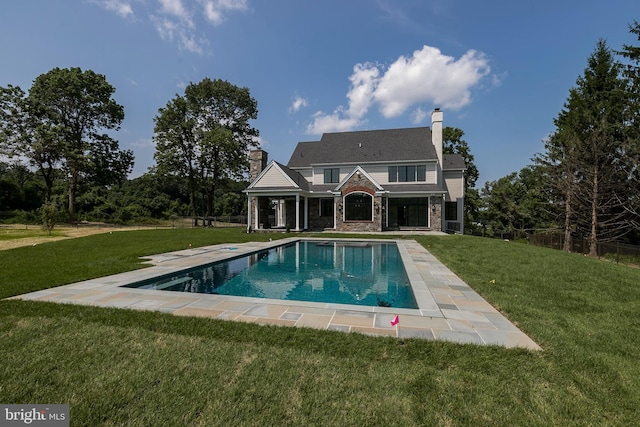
(500,70)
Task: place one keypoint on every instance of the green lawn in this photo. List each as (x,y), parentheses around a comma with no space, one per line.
(123,367)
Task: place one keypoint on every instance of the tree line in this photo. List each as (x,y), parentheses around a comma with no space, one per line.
(59,156)
(586,182)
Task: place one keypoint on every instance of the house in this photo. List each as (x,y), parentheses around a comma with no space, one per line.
(373,180)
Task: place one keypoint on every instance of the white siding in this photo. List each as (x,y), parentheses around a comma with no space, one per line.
(306,173)
(432,173)
(273,178)
(381,173)
(318,174)
(454,183)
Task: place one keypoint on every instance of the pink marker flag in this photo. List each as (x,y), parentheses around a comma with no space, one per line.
(395,321)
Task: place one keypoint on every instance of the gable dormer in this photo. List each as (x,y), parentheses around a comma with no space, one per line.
(358,179)
(276,176)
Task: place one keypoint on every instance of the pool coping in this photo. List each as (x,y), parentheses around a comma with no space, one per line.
(448,308)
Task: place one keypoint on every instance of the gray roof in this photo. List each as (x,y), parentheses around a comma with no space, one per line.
(412,188)
(452,162)
(408,144)
(295,176)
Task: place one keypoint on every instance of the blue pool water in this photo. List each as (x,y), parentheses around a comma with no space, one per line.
(361,273)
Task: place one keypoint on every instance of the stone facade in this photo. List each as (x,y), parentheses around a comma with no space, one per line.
(436,213)
(317,222)
(257,163)
(359,183)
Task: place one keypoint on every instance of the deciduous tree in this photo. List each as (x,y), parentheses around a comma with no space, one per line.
(204,137)
(75,107)
(454,144)
(61,124)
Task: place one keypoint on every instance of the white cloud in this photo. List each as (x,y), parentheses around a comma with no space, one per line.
(215,10)
(336,122)
(430,76)
(497,79)
(176,9)
(360,95)
(175,20)
(262,143)
(298,103)
(121,7)
(418,116)
(426,76)
(363,84)
(189,42)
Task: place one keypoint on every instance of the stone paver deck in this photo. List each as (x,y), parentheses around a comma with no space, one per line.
(448,308)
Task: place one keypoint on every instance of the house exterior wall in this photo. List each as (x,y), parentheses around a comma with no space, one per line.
(307,174)
(359,183)
(317,222)
(273,178)
(317,177)
(436,213)
(286,182)
(378,172)
(454,183)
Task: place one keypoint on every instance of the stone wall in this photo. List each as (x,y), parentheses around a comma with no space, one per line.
(436,214)
(359,183)
(257,163)
(317,222)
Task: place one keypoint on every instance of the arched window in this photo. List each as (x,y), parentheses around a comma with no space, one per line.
(358,207)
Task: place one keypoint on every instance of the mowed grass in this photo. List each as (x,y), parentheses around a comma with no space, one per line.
(124,367)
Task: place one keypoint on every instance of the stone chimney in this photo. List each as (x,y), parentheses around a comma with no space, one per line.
(257,162)
(436,138)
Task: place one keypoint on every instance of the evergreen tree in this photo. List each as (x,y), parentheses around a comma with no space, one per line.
(584,152)
(631,147)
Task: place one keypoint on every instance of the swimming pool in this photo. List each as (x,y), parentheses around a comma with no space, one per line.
(359,273)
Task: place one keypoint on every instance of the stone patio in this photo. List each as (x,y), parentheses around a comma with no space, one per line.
(448,308)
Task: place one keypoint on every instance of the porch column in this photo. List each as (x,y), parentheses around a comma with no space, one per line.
(256,213)
(386,212)
(248,212)
(297,212)
(429,212)
(306,213)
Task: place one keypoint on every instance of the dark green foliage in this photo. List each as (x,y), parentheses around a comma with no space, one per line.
(74,107)
(60,128)
(583,155)
(631,146)
(454,144)
(203,136)
(517,203)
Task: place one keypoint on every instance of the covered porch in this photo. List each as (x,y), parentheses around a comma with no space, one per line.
(273,211)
